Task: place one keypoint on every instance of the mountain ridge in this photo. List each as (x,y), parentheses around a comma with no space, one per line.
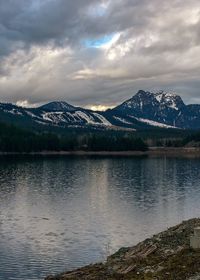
(143,110)
(163,107)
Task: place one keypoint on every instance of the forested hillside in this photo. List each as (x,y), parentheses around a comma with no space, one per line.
(14,139)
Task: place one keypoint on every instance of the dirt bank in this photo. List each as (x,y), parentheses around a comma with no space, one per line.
(165,256)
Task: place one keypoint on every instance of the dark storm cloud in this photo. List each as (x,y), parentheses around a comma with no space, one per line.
(40,21)
(36,22)
(45,49)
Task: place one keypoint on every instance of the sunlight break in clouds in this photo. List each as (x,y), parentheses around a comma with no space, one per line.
(99,107)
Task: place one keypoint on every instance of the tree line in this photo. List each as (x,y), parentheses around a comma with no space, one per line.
(16,139)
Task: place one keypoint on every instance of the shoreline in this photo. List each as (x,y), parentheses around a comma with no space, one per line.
(151,152)
(165,256)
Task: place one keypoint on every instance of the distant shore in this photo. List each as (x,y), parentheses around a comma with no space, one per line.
(152,152)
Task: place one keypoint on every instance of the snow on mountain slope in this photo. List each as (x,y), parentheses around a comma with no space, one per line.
(103,120)
(169,99)
(153,123)
(122,120)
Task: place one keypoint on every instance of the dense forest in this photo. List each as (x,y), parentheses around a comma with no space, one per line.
(15,139)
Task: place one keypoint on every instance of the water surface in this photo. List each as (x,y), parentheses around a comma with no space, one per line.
(57,213)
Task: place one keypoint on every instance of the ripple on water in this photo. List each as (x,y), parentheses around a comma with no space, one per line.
(58,214)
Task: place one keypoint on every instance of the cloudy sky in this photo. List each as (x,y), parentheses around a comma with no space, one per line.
(98,52)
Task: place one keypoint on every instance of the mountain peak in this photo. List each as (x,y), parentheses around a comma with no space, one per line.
(58,106)
(170,99)
(159,95)
(162,107)
(161,98)
(143,94)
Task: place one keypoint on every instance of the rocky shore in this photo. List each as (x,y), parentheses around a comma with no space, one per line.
(165,256)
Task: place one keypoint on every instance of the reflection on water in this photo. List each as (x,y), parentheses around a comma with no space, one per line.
(62,213)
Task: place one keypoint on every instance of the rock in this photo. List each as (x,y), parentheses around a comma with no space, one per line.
(195,239)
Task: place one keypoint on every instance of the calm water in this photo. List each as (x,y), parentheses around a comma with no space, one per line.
(62,213)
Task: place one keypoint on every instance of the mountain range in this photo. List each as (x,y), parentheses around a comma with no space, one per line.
(144,110)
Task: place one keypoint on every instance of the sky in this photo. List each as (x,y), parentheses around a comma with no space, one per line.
(98,53)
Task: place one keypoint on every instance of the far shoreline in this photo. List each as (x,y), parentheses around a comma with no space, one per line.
(151,152)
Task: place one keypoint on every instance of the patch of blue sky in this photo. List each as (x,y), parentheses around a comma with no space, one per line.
(98,10)
(99,42)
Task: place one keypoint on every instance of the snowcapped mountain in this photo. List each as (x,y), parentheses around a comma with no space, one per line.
(144,110)
(149,104)
(162,107)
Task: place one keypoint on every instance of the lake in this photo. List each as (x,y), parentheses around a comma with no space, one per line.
(59,213)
